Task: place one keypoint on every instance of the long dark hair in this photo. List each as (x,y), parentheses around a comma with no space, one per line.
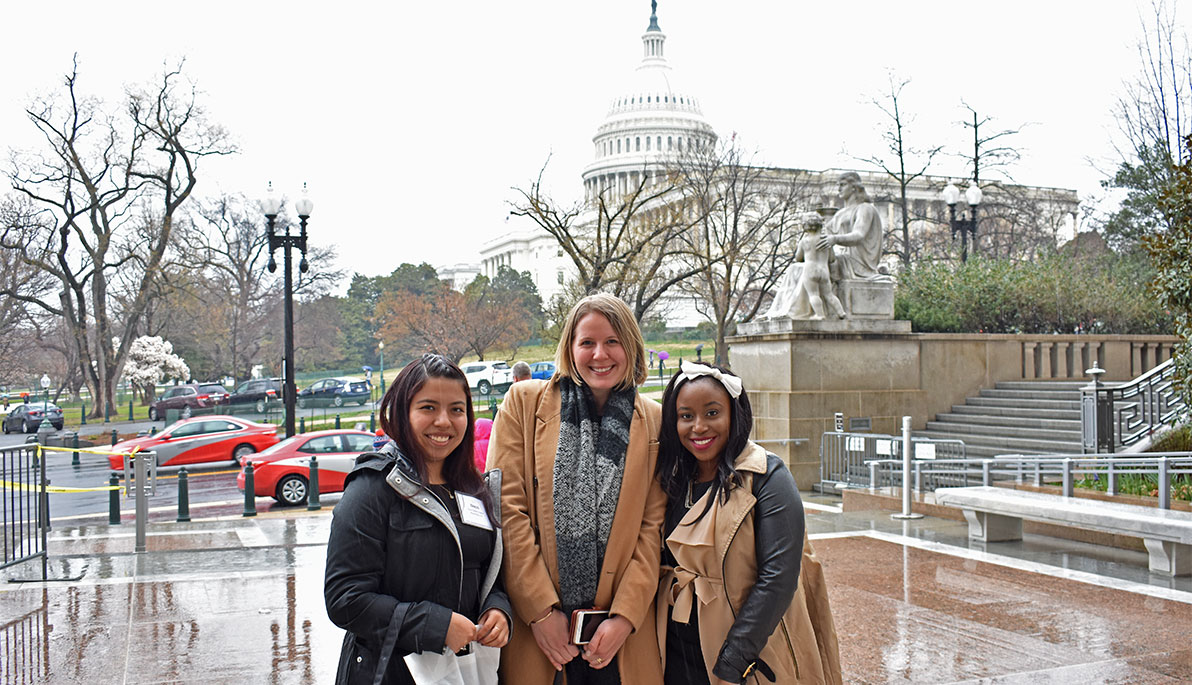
(677,467)
(459,469)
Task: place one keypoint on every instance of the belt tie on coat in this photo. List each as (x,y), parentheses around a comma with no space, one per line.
(688,585)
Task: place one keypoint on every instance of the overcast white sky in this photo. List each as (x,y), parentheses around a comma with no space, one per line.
(412,120)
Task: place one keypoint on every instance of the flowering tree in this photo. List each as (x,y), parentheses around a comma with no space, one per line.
(151,360)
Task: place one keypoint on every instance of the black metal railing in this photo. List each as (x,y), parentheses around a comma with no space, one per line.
(1117,416)
(23,520)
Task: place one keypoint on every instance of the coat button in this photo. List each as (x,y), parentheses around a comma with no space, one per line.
(359,659)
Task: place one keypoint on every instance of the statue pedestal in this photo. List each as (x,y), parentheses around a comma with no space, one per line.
(868,299)
(800,372)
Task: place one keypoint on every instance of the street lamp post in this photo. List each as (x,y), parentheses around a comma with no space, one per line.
(381,347)
(972,195)
(272,205)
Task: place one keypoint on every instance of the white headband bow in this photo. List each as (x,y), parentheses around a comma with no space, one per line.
(731,383)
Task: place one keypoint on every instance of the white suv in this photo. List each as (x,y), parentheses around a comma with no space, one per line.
(484,376)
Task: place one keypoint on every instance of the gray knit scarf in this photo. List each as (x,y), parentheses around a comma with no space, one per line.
(589,465)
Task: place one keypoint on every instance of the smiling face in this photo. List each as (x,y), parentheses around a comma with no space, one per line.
(598,355)
(438,421)
(704,420)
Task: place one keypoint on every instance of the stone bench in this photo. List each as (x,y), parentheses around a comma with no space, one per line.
(996,514)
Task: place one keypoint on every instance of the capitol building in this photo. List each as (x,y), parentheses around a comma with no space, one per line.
(655,118)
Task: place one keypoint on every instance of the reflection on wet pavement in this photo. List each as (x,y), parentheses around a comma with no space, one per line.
(241,601)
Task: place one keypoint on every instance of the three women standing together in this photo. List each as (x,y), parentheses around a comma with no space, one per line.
(587,495)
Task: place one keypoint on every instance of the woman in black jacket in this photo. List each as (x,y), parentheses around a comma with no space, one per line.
(743,597)
(414,556)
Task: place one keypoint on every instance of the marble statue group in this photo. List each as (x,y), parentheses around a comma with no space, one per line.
(838,248)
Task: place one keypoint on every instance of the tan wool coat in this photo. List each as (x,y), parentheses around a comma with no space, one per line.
(524,441)
(718,567)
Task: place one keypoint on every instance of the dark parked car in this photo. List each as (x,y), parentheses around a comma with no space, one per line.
(187,398)
(336,392)
(27,417)
(259,392)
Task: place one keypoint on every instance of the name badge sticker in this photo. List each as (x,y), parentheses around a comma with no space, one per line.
(471,511)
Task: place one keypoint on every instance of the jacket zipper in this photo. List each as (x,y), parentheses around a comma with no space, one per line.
(459,594)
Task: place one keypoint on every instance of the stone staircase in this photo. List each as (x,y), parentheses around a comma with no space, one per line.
(1015,417)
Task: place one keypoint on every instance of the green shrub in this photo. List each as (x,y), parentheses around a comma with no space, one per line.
(1054,294)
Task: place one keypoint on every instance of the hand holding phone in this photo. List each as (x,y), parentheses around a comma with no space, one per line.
(584,623)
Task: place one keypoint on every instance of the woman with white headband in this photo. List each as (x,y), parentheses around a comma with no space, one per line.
(742,597)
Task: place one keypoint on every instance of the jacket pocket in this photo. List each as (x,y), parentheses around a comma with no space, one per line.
(408,519)
(357,663)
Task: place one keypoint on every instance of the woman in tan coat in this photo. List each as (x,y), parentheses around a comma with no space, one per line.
(743,597)
(581,510)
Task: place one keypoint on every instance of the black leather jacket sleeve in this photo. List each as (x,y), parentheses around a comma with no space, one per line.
(778,533)
(354,585)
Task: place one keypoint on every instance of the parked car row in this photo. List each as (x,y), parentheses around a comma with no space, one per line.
(259,394)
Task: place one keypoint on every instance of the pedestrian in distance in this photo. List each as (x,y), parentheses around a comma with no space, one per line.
(581,510)
(414,555)
(521,372)
(740,603)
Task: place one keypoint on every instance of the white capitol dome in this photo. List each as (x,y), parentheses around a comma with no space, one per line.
(650,122)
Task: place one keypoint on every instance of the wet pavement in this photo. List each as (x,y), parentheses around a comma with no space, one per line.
(239,600)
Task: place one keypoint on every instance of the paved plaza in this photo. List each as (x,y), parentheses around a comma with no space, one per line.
(236,600)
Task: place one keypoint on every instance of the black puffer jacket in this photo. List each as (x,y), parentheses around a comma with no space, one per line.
(394,567)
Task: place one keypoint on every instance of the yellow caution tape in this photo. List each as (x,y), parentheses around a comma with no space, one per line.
(26,487)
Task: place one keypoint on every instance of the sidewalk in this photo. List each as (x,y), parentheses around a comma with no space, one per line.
(236,600)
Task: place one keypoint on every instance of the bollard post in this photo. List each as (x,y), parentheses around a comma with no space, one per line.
(873,484)
(114,500)
(337,422)
(1111,479)
(44,496)
(183,496)
(1164,484)
(115,438)
(140,481)
(83,414)
(301,424)
(74,459)
(1067,480)
(312,487)
(250,491)
(130,410)
(907,458)
(372,422)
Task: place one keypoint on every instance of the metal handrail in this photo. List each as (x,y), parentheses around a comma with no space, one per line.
(844,456)
(1120,415)
(1039,469)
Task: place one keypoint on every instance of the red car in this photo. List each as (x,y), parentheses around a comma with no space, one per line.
(201,439)
(283,471)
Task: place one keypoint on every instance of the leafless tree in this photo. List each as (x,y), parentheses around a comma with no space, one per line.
(743,233)
(621,240)
(110,187)
(898,156)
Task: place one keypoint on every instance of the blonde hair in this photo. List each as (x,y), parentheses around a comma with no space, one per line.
(624,325)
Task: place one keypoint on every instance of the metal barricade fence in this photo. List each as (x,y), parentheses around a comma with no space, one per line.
(845,457)
(23,520)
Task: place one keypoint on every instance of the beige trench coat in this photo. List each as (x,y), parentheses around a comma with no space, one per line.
(717,570)
(524,440)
